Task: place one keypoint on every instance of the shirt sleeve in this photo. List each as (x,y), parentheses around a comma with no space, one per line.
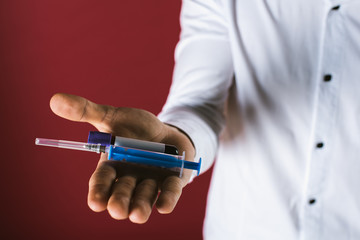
(202,76)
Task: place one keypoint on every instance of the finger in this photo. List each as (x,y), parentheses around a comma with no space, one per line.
(143,200)
(119,202)
(170,193)
(100,185)
(78,109)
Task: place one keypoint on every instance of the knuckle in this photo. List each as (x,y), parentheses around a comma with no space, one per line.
(172,196)
(173,184)
(120,199)
(126,183)
(148,184)
(103,174)
(99,192)
(99,188)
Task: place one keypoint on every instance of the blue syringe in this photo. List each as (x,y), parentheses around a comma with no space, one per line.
(119,153)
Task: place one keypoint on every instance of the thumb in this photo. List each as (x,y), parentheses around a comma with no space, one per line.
(79,109)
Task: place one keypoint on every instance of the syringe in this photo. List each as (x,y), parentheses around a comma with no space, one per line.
(119,153)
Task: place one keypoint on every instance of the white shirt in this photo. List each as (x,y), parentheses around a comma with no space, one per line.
(288,162)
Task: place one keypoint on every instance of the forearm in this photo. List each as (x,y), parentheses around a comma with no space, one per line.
(202,77)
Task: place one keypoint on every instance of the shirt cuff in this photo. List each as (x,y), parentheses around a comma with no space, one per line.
(202,136)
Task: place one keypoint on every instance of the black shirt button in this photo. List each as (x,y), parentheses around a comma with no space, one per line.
(327,78)
(336,7)
(320,145)
(312,201)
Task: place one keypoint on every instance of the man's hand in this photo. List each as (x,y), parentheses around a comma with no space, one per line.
(123,191)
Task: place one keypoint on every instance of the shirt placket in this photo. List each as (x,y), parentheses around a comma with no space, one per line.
(325,112)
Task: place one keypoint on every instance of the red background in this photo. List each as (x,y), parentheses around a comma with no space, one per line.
(112,52)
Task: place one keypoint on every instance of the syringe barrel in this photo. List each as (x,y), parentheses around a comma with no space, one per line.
(172,162)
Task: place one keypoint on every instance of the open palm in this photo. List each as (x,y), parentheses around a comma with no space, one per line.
(127,191)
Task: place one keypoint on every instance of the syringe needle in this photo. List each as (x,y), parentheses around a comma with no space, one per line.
(69,145)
